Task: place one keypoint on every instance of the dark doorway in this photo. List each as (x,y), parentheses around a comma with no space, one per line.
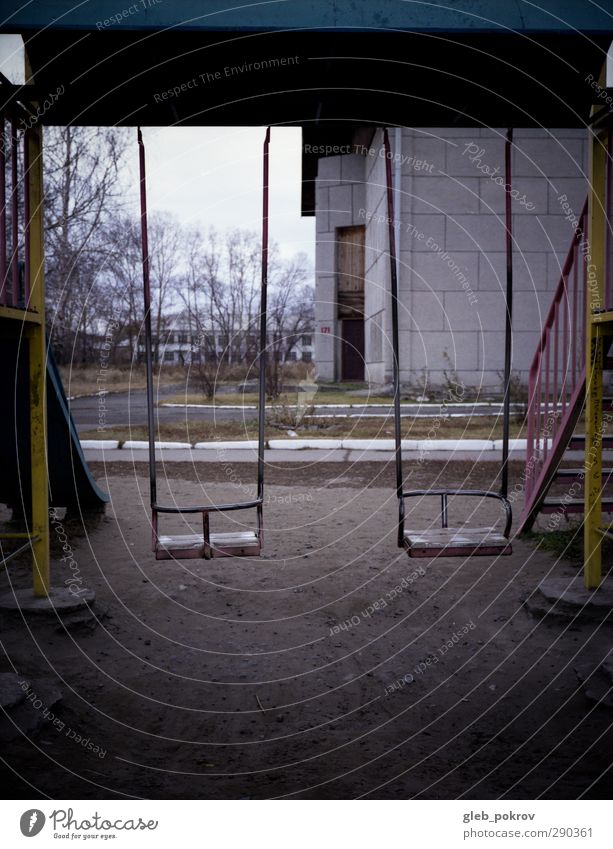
(350,300)
(352,349)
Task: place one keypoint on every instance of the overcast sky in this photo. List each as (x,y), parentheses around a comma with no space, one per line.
(213,176)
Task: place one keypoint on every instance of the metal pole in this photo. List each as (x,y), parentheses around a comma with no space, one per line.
(37,345)
(263,322)
(397,187)
(395,338)
(504,484)
(14,214)
(594,300)
(147,302)
(23,296)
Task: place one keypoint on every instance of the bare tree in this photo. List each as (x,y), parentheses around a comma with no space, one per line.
(290,316)
(94,268)
(123,281)
(220,291)
(82,192)
(226,288)
(166,258)
(201,263)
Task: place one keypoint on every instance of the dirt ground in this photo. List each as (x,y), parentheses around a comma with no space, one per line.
(331,667)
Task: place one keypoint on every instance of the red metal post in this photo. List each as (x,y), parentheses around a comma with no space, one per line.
(565,344)
(26,215)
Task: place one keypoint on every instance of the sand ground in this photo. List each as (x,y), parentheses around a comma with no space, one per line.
(331,667)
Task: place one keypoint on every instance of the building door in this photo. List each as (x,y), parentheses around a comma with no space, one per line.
(352,349)
(350,300)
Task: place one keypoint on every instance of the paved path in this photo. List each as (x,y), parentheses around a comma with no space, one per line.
(130,409)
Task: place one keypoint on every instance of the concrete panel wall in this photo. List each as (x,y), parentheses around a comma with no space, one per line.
(377,328)
(451,235)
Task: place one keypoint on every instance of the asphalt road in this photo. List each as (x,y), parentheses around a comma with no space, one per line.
(130,408)
(123,408)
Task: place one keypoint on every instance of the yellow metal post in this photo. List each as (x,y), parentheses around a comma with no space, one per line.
(38,369)
(592,539)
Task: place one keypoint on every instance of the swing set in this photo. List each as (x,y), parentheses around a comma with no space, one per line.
(444,541)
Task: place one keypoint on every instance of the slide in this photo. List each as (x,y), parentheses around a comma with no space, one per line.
(71,484)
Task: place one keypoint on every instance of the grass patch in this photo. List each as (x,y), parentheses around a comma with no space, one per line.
(181,432)
(567,544)
(485,427)
(89,380)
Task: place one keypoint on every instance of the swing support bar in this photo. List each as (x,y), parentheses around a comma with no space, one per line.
(444,495)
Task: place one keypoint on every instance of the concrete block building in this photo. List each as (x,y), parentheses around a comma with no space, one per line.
(449,190)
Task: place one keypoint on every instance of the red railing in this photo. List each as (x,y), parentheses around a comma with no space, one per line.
(557,374)
(14,213)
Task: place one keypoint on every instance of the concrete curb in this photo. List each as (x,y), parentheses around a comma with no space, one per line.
(299,444)
(100,444)
(515,444)
(141,445)
(244,445)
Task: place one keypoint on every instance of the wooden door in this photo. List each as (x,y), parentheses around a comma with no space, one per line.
(352,349)
(350,271)
(350,300)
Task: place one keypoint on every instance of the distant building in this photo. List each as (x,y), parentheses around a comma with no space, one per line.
(181,346)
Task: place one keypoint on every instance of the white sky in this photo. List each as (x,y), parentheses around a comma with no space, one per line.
(12,63)
(213,176)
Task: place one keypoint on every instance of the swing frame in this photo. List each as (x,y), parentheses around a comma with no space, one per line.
(452,542)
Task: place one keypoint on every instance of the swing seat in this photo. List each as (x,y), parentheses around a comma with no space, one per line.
(456,542)
(206,544)
(188,546)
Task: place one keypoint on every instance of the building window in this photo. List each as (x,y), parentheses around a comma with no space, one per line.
(307,340)
(291,357)
(169,356)
(182,338)
(307,357)
(170,338)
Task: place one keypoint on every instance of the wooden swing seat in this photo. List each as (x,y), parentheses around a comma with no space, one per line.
(456,542)
(188,546)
